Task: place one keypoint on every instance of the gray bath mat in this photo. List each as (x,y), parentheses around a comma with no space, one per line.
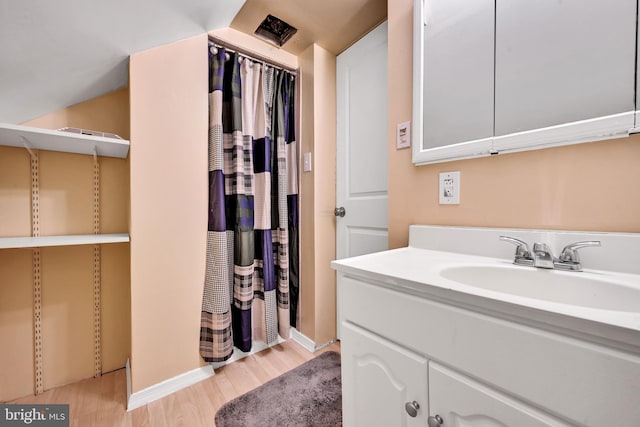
(307,396)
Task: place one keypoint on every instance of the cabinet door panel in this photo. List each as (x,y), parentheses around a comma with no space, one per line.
(378,378)
(457,71)
(562,61)
(463,402)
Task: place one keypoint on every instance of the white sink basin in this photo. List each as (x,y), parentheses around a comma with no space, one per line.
(574,288)
(471,267)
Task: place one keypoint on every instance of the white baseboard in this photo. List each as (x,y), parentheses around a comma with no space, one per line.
(303,340)
(255,348)
(127,371)
(307,342)
(165,388)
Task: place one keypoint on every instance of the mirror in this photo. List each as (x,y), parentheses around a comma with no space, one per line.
(488,79)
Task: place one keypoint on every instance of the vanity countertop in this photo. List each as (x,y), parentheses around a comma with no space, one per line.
(419,270)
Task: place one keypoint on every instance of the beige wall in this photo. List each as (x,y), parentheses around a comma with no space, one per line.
(169,129)
(169,116)
(318,195)
(66,207)
(581,187)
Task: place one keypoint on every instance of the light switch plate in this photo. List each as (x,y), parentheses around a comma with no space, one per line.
(403,135)
(306,162)
(449,188)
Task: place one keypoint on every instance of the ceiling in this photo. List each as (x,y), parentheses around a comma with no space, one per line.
(332,24)
(58,53)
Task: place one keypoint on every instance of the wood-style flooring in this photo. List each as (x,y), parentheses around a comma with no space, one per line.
(102,401)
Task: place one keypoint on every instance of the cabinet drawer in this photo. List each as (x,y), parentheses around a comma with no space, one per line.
(578,381)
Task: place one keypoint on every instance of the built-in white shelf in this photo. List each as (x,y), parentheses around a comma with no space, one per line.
(43,241)
(55,140)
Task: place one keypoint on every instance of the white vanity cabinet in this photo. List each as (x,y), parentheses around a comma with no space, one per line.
(387,385)
(559,62)
(400,344)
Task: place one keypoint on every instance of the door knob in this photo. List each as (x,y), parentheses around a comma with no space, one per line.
(340,212)
(435,421)
(412,408)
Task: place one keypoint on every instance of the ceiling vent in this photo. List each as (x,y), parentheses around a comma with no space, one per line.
(275,30)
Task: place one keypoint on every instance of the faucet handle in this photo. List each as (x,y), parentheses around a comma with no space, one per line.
(570,252)
(523,253)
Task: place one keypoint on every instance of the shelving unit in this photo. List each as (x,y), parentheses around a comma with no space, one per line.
(34,139)
(54,140)
(70,240)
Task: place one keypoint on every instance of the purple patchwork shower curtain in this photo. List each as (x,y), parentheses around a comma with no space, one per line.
(252,263)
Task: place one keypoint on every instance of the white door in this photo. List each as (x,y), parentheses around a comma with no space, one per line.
(362,146)
(383,384)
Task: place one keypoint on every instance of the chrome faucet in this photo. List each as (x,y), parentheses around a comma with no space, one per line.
(542,256)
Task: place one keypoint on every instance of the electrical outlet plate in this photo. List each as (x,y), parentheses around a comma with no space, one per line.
(449,188)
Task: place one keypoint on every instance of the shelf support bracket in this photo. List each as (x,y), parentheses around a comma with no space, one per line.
(28,146)
(97,287)
(37,278)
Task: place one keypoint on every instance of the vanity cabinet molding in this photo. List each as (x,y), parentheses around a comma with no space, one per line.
(482,369)
(505,76)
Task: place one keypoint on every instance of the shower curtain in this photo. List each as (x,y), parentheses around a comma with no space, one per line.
(251,281)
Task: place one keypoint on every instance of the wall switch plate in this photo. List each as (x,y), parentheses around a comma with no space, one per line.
(449,188)
(403,135)
(306,162)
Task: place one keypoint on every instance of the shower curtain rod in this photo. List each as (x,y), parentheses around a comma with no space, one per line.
(250,55)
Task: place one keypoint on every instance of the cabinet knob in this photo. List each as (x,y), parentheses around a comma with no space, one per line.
(412,408)
(435,421)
